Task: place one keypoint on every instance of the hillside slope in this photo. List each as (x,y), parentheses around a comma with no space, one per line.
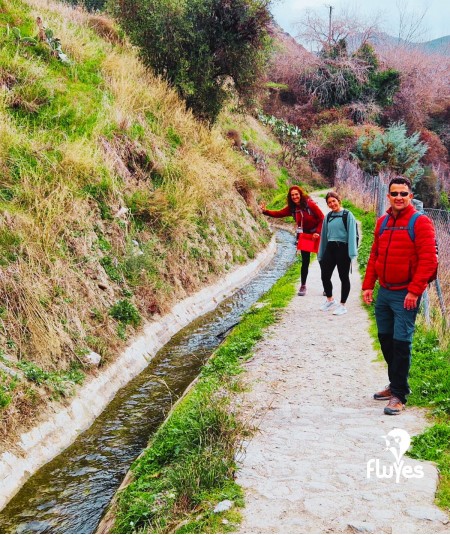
(114,202)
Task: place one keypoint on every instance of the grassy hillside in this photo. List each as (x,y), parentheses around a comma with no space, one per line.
(114,202)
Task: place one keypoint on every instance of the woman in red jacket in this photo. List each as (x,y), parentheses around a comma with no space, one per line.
(309,219)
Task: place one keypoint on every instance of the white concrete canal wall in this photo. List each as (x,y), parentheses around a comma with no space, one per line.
(44,442)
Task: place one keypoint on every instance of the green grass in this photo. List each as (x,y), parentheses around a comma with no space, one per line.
(9,246)
(430,373)
(433,445)
(430,385)
(60,384)
(189,465)
(7,386)
(368,220)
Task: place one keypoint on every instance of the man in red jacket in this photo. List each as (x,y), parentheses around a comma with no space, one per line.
(403,265)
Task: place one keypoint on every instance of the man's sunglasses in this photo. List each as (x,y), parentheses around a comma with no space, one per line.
(401,193)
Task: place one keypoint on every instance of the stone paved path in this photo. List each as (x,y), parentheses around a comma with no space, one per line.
(305,470)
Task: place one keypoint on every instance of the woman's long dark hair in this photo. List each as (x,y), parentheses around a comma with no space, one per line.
(303,199)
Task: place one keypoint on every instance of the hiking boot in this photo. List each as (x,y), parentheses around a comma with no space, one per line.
(395,406)
(339,310)
(383,394)
(302,290)
(327,305)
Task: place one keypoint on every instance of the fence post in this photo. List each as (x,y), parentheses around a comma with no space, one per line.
(381,201)
(426,306)
(441,302)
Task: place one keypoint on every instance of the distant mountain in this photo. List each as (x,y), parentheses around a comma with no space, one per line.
(381,40)
(287,44)
(440,45)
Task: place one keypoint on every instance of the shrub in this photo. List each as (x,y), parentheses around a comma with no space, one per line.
(125,312)
(340,78)
(91,5)
(437,152)
(199,45)
(383,85)
(290,137)
(328,143)
(392,150)
(337,135)
(426,190)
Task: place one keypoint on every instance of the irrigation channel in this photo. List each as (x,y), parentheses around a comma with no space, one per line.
(70,493)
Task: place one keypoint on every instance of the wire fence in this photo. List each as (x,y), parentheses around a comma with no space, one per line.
(370,193)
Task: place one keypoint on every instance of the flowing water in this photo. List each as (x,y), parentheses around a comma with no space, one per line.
(70,493)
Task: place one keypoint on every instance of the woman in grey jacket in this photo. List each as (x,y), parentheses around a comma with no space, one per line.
(338,247)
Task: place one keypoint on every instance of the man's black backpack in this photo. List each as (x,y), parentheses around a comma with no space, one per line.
(344,215)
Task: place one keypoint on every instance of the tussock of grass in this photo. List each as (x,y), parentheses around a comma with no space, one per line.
(189,465)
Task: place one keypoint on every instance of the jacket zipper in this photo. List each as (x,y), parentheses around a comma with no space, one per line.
(387,249)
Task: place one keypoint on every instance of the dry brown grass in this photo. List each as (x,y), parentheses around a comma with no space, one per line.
(79,162)
(24,296)
(71,25)
(23,411)
(192,224)
(105,28)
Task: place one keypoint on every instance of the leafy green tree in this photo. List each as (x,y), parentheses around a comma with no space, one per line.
(200,46)
(392,150)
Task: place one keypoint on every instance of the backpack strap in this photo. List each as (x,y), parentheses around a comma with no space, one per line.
(344,216)
(383,224)
(344,219)
(411,224)
(409,228)
(294,215)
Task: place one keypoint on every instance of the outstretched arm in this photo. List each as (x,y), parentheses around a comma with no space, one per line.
(284,212)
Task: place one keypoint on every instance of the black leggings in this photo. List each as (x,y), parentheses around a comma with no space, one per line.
(336,254)
(306,257)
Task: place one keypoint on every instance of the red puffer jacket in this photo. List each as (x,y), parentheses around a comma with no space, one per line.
(397,261)
(312,217)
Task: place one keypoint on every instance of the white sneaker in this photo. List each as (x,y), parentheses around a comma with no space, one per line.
(338,311)
(327,305)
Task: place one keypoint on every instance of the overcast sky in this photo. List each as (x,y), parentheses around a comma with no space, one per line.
(436,22)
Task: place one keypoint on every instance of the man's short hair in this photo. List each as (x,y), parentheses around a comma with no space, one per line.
(400,180)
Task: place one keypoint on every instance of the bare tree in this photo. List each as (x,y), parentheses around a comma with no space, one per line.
(411,23)
(324,29)
(326,26)
(425,83)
